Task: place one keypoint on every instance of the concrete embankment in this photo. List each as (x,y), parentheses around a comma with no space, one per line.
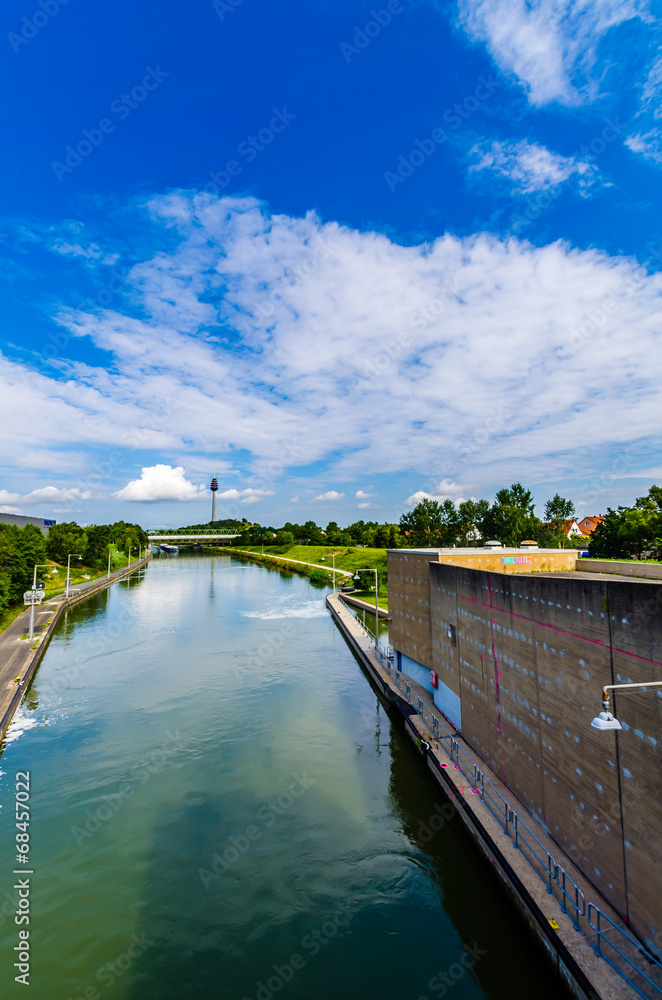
(356,602)
(568,943)
(20,656)
(645,571)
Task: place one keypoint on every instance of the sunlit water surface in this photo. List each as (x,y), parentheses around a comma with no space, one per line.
(222,809)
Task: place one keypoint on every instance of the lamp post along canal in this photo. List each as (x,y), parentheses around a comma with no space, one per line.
(605,720)
(66,588)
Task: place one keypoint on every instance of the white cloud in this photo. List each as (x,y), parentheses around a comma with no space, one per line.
(11,510)
(160,482)
(45,494)
(531,167)
(245,496)
(330,495)
(363,506)
(562,344)
(446,490)
(362,495)
(551,46)
(92,253)
(647,141)
(648,145)
(294,499)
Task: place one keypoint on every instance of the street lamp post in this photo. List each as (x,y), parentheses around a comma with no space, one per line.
(66,589)
(110,552)
(605,720)
(334,572)
(357,579)
(129,562)
(34,587)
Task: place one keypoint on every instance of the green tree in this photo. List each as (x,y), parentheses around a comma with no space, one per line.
(511,518)
(285,538)
(431,524)
(20,550)
(472,515)
(66,538)
(558,511)
(631,532)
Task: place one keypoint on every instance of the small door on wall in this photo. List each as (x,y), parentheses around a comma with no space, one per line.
(398,660)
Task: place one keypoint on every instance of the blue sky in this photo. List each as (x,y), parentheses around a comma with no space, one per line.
(355,254)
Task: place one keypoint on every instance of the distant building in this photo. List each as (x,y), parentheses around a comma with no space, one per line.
(588,524)
(20,520)
(572,528)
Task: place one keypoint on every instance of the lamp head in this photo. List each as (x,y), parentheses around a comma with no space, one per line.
(356,577)
(605,720)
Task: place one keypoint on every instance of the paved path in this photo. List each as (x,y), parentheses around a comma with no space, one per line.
(302,562)
(19,656)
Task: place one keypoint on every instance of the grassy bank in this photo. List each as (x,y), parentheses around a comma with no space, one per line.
(369,597)
(349,559)
(316,562)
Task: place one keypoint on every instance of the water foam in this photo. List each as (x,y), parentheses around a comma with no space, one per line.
(311,609)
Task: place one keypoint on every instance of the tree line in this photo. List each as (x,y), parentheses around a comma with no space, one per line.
(626,533)
(432,524)
(631,532)
(21,549)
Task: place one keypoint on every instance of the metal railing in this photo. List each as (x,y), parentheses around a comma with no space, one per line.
(384,651)
(575,899)
(603,939)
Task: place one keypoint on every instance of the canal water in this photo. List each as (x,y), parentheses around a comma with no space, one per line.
(220,808)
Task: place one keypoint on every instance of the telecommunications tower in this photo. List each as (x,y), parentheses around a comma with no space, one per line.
(213,486)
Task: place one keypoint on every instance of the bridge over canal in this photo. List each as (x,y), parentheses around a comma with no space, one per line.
(193,538)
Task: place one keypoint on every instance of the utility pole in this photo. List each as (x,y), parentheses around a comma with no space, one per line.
(110,552)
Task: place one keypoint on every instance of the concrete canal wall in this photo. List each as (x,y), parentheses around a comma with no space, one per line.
(568,943)
(520,662)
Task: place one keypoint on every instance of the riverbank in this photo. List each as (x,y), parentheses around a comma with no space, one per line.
(20,656)
(497,826)
(308,569)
